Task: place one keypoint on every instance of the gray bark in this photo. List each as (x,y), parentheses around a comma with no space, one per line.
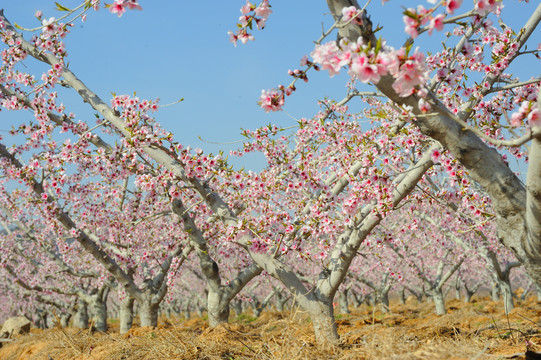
(357,299)
(470,292)
(322,315)
(187,313)
(126,314)
(80,319)
(495,291)
(148,312)
(217,308)
(236,305)
(439,301)
(98,311)
(507,294)
(343,301)
(65,319)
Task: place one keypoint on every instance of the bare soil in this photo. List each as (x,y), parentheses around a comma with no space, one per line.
(476,330)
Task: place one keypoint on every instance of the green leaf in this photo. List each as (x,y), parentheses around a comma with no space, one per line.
(411,15)
(61,7)
(378,45)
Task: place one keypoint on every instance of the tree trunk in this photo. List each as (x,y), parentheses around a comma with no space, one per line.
(217,309)
(495,291)
(236,305)
(382,299)
(65,319)
(80,320)
(126,314)
(187,313)
(508,302)
(322,315)
(357,299)
(98,309)
(402,296)
(439,301)
(41,321)
(457,288)
(148,311)
(343,302)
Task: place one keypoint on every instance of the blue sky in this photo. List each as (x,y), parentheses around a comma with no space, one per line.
(180,49)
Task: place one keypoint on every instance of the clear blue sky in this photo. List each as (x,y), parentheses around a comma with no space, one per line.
(175,49)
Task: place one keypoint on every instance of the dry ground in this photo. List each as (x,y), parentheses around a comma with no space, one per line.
(478,330)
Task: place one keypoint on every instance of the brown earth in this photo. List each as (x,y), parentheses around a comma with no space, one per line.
(477,330)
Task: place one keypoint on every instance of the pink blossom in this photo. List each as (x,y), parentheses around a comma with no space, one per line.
(132,5)
(452,5)
(436,156)
(412,72)
(364,71)
(271,100)
(436,23)
(411,27)
(118,8)
(330,57)
(533,117)
(246,8)
(348,13)
(424,106)
(483,7)
(263,9)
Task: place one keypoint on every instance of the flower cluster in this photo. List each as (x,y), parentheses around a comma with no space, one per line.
(415,18)
(368,64)
(483,7)
(351,12)
(250,13)
(272,100)
(119,6)
(527,110)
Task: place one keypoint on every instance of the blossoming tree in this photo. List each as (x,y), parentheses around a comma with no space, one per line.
(330,182)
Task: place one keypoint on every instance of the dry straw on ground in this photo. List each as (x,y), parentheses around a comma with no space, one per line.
(478,330)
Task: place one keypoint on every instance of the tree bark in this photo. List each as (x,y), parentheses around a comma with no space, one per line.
(439,301)
(65,319)
(322,315)
(126,314)
(80,320)
(509,304)
(217,308)
(148,311)
(98,309)
(343,302)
